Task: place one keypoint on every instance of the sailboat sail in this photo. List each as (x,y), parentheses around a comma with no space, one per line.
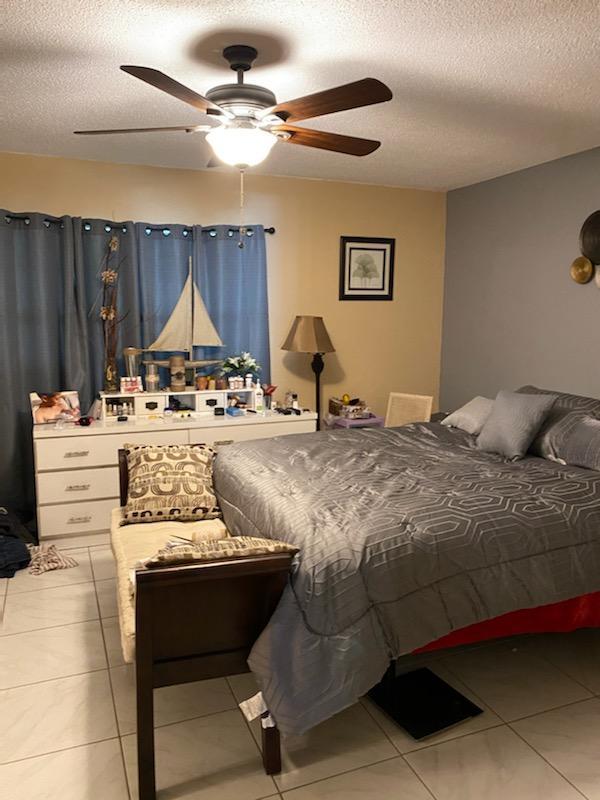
(189,324)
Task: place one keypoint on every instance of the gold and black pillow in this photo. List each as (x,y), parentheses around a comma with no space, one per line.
(175,552)
(172,482)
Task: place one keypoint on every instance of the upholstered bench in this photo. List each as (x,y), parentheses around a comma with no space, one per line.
(189,622)
(133,544)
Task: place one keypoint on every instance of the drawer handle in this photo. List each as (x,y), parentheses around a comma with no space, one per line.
(221,442)
(77,487)
(79,520)
(76,453)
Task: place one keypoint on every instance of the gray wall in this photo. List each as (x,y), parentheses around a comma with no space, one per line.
(512,314)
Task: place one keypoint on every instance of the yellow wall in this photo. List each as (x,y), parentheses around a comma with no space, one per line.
(381,346)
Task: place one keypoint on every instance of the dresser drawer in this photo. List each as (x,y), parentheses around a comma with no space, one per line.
(73,518)
(82,484)
(73,452)
(243,433)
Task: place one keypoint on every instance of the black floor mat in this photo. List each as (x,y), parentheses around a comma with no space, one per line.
(421,703)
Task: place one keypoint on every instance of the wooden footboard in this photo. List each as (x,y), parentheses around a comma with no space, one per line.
(199,621)
(195,622)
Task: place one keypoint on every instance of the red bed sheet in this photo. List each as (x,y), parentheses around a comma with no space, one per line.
(568,615)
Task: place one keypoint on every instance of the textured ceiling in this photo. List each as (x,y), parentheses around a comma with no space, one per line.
(481,88)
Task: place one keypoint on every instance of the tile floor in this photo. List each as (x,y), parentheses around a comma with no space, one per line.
(67,719)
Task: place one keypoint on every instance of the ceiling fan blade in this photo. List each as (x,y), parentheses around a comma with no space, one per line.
(186,128)
(351,145)
(213,162)
(365,92)
(161,81)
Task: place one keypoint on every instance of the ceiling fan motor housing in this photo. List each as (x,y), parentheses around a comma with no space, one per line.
(241,95)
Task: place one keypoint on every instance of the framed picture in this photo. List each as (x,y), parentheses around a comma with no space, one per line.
(366,268)
(54,406)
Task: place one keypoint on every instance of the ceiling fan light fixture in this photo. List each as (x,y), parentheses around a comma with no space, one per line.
(241,146)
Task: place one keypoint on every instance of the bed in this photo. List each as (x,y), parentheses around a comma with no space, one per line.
(408,538)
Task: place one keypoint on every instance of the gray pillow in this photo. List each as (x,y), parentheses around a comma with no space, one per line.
(581,446)
(565,412)
(513,423)
(470,417)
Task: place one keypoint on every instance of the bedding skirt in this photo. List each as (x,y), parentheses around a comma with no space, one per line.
(563,617)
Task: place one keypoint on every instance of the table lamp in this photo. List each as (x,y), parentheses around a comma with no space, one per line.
(309,335)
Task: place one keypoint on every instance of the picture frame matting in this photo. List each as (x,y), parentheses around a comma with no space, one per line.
(366,268)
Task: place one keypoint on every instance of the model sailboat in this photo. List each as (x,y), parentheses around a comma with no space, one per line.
(188,326)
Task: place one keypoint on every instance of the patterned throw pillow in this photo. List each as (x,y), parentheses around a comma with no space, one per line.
(170,483)
(565,413)
(581,444)
(175,552)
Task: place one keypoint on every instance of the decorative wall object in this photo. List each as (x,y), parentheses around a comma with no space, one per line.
(582,270)
(109,275)
(589,238)
(366,268)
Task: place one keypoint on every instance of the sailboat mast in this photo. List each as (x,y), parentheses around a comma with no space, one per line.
(191,277)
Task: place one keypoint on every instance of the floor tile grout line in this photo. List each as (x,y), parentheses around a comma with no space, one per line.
(397,749)
(527,716)
(347,772)
(56,678)
(474,692)
(60,750)
(52,627)
(548,660)
(188,719)
(44,588)
(420,779)
(175,722)
(477,697)
(112,694)
(60,585)
(543,757)
(381,728)
(549,710)
(277,790)
(498,724)
(99,580)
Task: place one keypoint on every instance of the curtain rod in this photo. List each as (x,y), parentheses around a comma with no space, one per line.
(48,220)
(187,228)
(108,225)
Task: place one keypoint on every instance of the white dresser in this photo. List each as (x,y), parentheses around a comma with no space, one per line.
(76,473)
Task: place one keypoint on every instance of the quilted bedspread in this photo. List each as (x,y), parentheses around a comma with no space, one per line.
(405,534)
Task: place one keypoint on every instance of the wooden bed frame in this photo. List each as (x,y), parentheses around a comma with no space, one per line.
(194,622)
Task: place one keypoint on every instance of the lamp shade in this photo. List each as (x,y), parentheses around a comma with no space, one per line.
(308,335)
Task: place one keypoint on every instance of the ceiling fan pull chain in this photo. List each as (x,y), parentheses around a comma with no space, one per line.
(242,228)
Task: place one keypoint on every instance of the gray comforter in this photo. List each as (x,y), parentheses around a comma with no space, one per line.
(405,535)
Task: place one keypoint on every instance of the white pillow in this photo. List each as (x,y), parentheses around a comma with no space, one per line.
(472,416)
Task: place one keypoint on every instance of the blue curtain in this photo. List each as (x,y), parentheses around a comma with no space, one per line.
(52,332)
(233,283)
(41,291)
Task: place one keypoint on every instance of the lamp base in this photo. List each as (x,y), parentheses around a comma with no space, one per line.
(317,364)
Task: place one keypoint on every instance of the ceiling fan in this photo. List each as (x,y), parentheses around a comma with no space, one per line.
(249,120)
